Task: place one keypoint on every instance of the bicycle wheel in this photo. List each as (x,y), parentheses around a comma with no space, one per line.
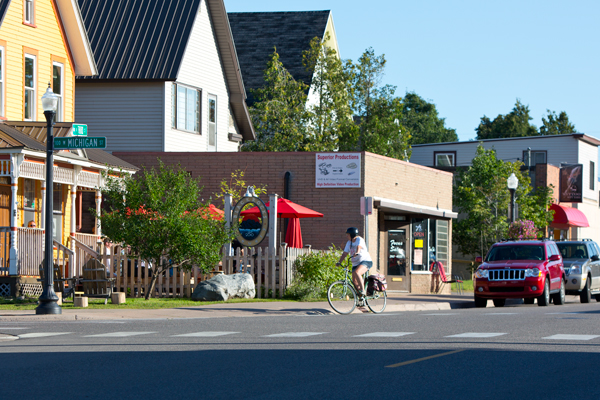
(341,297)
(377,301)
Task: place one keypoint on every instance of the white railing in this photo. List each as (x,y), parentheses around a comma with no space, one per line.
(4,250)
(83,253)
(90,240)
(5,168)
(63,257)
(30,245)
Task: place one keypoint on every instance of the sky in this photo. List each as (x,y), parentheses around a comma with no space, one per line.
(474,58)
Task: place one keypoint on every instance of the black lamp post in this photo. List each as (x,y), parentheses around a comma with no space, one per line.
(512,182)
(48,299)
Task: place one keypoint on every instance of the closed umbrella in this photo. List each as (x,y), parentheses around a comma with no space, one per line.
(293,237)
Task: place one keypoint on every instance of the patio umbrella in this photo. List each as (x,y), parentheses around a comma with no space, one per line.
(289,209)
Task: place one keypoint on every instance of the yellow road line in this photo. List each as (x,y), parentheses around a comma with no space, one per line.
(423,359)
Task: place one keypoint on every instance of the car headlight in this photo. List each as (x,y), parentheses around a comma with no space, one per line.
(575,269)
(532,272)
(481,273)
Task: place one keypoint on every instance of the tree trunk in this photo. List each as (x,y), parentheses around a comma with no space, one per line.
(157,272)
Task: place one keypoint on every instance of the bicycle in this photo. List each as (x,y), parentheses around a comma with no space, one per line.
(342,295)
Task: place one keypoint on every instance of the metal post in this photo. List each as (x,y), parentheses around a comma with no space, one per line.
(228,207)
(48,299)
(512,205)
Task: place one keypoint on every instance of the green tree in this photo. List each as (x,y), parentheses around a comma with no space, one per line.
(554,124)
(158,215)
(236,187)
(331,112)
(422,121)
(279,114)
(514,124)
(481,197)
(378,113)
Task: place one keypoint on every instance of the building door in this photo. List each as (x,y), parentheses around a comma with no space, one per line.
(5,194)
(396,256)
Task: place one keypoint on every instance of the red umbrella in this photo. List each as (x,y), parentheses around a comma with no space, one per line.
(286,209)
(293,236)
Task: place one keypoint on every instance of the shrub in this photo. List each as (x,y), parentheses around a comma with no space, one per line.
(314,272)
(522,230)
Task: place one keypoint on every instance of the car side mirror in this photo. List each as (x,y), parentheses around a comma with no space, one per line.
(554,257)
(479,259)
(595,258)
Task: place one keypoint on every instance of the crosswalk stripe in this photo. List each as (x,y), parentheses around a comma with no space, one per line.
(41,334)
(120,334)
(441,314)
(385,334)
(571,337)
(295,334)
(501,313)
(2,328)
(205,334)
(476,335)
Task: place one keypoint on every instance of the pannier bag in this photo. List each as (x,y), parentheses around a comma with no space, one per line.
(376,282)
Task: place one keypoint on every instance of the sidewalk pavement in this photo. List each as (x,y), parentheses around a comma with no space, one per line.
(396,302)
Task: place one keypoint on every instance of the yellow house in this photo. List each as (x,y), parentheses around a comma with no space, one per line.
(43,43)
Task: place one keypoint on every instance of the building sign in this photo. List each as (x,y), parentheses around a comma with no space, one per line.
(571,183)
(337,170)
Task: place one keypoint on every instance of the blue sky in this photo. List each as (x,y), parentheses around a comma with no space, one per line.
(475,58)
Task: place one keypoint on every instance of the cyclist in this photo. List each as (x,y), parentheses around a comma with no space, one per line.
(361,260)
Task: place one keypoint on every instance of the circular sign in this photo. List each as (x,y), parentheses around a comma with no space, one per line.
(251,232)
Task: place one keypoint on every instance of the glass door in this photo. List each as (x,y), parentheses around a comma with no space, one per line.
(396,246)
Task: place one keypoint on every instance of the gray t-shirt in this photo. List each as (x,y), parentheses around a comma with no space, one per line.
(362,255)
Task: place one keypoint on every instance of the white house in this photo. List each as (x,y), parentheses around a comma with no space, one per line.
(168,77)
(549,151)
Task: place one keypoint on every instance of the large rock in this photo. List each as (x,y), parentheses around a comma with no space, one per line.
(225,287)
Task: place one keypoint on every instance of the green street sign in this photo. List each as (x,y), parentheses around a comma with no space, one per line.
(79,130)
(65,143)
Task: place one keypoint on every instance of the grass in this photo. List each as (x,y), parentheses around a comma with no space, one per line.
(467,286)
(132,303)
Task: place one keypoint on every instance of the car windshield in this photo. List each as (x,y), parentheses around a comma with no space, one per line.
(516,252)
(573,250)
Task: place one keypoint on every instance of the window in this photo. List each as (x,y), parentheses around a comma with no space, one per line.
(57,88)
(444,159)
(537,157)
(30,72)
(185,108)
(28,12)
(212,121)
(592,174)
(1,81)
(57,217)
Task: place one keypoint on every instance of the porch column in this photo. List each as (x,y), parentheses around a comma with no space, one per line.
(72,271)
(16,161)
(98,211)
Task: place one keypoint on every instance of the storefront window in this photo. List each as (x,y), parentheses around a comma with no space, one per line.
(420,244)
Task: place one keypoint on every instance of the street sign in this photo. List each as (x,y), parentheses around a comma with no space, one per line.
(79,130)
(64,143)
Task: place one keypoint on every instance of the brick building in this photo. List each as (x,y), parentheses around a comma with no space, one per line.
(412,205)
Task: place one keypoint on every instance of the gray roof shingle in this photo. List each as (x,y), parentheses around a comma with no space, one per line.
(138,39)
(257,33)
(3,8)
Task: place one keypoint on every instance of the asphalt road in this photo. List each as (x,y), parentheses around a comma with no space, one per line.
(518,352)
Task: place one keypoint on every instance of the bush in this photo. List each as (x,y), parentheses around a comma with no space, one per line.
(522,230)
(314,272)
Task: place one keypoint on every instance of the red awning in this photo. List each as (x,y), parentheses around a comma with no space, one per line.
(568,217)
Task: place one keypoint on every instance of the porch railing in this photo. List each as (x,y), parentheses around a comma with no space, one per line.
(30,245)
(90,240)
(4,250)
(83,253)
(63,257)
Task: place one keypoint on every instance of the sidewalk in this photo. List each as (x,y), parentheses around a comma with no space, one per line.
(396,302)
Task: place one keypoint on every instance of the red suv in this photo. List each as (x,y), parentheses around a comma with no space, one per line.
(530,269)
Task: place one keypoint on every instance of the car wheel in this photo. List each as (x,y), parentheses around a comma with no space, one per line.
(559,298)
(529,300)
(499,302)
(480,303)
(544,299)
(585,295)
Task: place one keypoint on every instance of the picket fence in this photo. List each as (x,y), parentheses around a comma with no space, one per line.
(272,271)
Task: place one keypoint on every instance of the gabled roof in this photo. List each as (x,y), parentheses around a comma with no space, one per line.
(579,136)
(138,39)
(257,33)
(3,7)
(33,135)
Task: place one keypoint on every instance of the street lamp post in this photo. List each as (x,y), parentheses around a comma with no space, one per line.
(48,299)
(512,182)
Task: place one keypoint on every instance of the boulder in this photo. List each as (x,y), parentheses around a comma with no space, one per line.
(225,287)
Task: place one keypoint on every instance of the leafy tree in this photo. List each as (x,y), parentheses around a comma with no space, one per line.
(556,124)
(159,216)
(378,113)
(236,187)
(482,199)
(331,111)
(278,114)
(514,124)
(422,121)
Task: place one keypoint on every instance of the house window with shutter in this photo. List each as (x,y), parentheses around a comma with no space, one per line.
(592,175)
(57,88)
(29,103)
(29,12)
(185,108)
(212,121)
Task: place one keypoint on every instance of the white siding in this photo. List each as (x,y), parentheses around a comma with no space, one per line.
(589,206)
(129,115)
(201,68)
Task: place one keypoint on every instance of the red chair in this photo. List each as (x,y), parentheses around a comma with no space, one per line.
(437,265)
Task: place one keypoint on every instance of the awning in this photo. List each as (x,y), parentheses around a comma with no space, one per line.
(413,208)
(568,217)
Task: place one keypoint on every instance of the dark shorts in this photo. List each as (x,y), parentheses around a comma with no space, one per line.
(367,264)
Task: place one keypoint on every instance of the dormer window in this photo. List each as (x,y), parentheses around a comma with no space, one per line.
(29,12)
(444,159)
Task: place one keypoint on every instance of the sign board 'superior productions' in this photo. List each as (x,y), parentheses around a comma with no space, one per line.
(337,170)
(82,142)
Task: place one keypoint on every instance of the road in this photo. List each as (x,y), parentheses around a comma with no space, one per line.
(517,352)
